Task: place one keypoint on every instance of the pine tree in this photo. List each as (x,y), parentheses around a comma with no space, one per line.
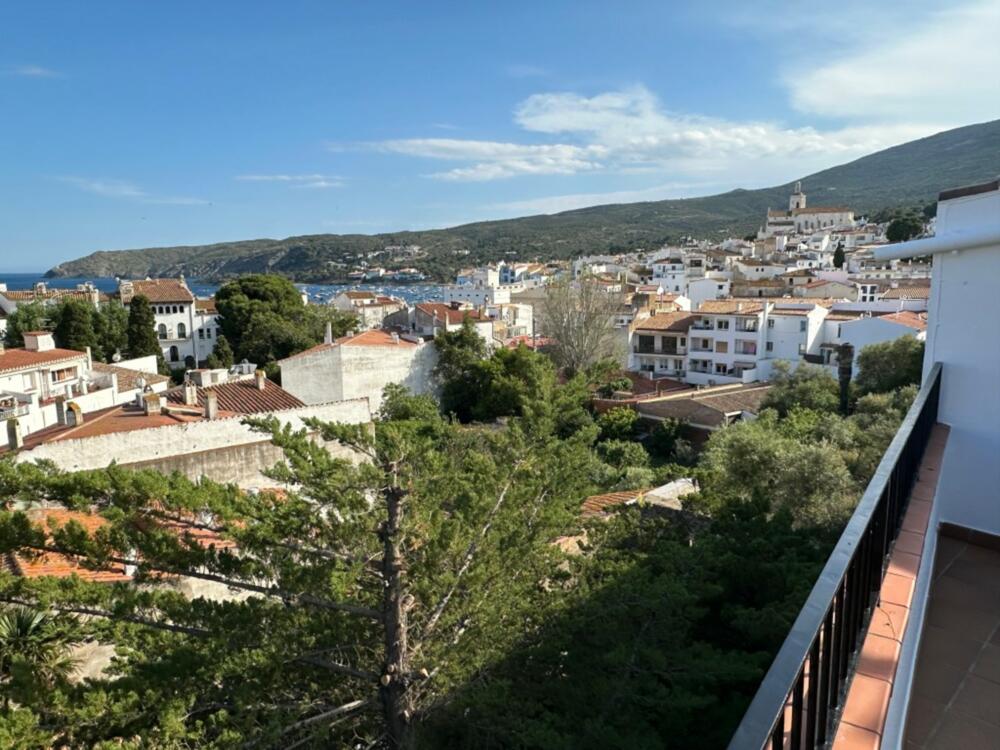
(372,591)
(111,324)
(75,327)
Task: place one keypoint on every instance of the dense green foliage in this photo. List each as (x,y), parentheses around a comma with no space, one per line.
(910,174)
(890,365)
(264,319)
(416,598)
(75,328)
(140,333)
(75,324)
(222,354)
(904,227)
(839,256)
(29,316)
(809,387)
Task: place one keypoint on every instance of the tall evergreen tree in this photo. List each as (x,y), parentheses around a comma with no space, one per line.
(372,591)
(839,258)
(140,333)
(111,324)
(75,327)
(222,354)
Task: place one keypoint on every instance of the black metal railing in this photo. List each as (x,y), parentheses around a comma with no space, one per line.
(797,702)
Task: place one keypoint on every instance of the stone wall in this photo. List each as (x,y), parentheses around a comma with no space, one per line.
(225,450)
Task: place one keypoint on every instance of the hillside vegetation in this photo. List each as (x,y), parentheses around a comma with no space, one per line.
(906,175)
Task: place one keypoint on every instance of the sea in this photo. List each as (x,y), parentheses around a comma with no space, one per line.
(318,293)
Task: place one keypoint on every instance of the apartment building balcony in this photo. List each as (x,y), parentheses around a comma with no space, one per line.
(701,348)
(747,326)
(898,644)
(702,325)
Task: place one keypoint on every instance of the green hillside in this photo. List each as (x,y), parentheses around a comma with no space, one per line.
(907,175)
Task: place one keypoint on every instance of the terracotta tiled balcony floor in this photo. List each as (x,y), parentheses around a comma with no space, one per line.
(955,701)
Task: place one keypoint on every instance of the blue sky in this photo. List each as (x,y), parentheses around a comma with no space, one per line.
(127,124)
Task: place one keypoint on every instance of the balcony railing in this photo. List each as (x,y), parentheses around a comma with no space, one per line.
(798,699)
(702,325)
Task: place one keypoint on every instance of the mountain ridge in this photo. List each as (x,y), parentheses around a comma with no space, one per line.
(908,174)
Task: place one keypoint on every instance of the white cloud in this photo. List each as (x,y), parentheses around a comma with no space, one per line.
(629,131)
(129,191)
(494,159)
(309,181)
(32,71)
(555,203)
(942,67)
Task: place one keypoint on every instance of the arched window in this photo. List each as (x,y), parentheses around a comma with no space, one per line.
(161,330)
(189,362)
(175,354)
(181,331)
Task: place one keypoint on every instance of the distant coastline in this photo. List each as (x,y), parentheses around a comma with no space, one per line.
(410,292)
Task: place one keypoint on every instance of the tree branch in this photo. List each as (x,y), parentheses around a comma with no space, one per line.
(109,615)
(272,591)
(339,668)
(470,554)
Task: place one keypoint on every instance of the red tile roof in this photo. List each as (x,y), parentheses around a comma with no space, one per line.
(159,290)
(907,318)
(597,505)
(241,397)
(671,321)
(59,565)
(206,306)
(908,292)
(442,311)
(12,360)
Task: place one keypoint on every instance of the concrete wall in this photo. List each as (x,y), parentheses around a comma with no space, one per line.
(964,336)
(172,446)
(358,372)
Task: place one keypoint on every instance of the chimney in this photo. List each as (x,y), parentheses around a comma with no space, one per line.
(261,378)
(211,405)
(61,409)
(74,414)
(190,393)
(151,403)
(328,334)
(38,341)
(15,439)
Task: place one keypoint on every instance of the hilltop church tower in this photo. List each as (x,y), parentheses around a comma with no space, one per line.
(798,198)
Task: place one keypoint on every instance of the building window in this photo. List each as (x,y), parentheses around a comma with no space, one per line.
(208,333)
(722,347)
(64,374)
(201,333)
(769,346)
(175,354)
(802,349)
(722,325)
(770,322)
(181,331)
(720,369)
(803,325)
(161,331)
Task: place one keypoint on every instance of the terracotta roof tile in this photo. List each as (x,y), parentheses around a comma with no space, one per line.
(442,311)
(206,306)
(671,321)
(12,360)
(907,318)
(58,565)
(908,292)
(597,505)
(241,397)
(158,290)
